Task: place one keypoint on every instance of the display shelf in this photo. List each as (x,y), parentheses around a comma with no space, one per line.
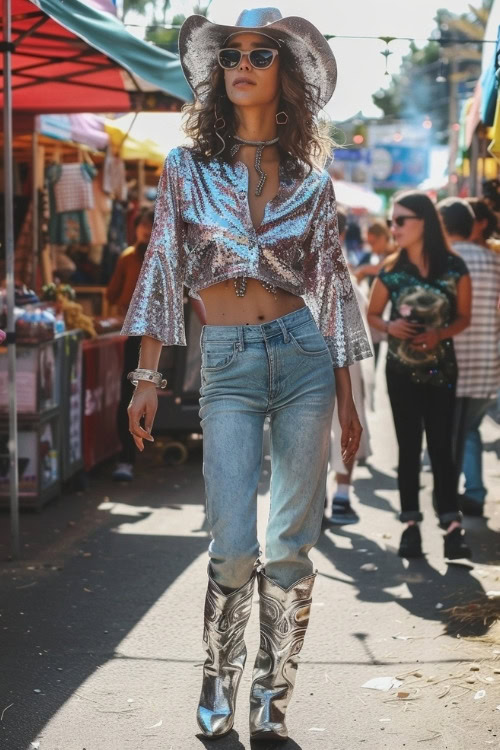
(38,377)
(49,414)
(39,459)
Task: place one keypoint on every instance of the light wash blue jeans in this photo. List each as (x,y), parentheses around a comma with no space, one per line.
(282,369)
(469,413)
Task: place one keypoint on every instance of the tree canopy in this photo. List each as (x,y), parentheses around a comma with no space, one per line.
(422,86)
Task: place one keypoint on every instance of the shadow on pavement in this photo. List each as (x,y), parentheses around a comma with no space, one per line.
(367,489)
(493,446)
(484,542)
(60,626)
(232,742)
(229,742)
(274,745)
(427,586)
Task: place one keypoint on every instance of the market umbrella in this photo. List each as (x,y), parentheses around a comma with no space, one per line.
(355,197)
(86,128)
(68,57)
(146,135)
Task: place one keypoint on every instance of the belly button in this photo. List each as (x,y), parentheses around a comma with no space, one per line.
(260,317)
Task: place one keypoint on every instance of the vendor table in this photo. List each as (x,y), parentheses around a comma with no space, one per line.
(102,365)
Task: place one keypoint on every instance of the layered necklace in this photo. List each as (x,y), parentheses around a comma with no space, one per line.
(240,284)
(259,148)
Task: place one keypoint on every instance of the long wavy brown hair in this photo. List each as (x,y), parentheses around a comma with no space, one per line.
(436,248)
(304,142)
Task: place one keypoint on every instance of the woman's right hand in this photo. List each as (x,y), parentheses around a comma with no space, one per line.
(144,403)
(401,329)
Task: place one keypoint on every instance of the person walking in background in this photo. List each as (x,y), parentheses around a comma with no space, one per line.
(430,293)
(341,511)
(119,293)
(355,250)
(469,225)
(379,238)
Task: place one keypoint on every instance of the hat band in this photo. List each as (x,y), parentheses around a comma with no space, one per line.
(252,31)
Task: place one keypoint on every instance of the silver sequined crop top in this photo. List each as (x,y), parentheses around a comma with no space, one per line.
(203,234)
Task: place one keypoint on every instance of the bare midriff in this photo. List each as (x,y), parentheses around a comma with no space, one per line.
(224,308)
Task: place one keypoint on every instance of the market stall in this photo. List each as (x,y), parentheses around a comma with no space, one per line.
(68,57)
(134,148)
(478,152)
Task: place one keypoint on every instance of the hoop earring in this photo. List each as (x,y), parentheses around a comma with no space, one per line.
(219,124)
(282,121)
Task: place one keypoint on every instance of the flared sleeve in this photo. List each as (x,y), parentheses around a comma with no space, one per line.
(329,292)
(157,307)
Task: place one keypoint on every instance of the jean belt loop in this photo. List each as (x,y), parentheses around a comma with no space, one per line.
(241,341)
(286,337)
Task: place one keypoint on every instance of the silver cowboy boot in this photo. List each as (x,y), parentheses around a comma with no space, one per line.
(226,616)
(284,616)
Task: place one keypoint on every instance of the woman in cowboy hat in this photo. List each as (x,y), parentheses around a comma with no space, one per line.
(247,220)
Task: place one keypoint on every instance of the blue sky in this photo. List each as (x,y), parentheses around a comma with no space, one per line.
(360,65)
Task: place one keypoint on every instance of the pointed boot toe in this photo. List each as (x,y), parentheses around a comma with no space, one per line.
(214,724)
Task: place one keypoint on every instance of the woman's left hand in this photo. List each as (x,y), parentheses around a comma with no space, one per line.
(427,340)
(351,429)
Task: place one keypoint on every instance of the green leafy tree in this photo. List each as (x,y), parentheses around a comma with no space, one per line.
(140,6)
(161,32)
(422,86)
(167,37)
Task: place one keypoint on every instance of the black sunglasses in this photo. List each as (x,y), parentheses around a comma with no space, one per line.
(260,58)
(400,220)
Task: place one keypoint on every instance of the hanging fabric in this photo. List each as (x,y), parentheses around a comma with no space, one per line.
(67,227)
(73,188)
(114,180)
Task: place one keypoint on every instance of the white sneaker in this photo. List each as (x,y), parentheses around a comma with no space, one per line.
(123,473)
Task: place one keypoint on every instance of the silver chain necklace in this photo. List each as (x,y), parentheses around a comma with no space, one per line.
(260,146)
(240,284)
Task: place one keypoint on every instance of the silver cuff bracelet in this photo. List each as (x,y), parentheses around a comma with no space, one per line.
(150,376)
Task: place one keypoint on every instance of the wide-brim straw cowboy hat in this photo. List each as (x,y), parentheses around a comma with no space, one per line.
(200,40)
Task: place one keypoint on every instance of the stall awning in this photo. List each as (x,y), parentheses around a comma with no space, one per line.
(357,198)
(71,57)
(146,135)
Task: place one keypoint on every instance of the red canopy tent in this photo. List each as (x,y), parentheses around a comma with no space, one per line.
(93,64)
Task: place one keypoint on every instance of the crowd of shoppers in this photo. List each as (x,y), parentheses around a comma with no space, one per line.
(433,268)
(435,291)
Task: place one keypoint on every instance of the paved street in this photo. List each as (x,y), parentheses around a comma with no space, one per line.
(101,621)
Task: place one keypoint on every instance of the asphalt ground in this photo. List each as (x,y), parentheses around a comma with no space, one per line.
(101,619)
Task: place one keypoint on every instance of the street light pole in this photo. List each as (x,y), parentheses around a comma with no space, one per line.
(452,119)
(8,48)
